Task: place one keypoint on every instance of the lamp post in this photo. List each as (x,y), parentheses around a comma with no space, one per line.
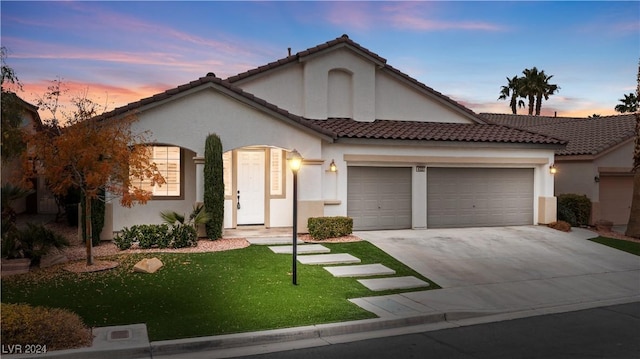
(295,161)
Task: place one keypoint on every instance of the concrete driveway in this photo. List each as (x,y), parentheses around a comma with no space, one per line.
(505,269)
(472,256)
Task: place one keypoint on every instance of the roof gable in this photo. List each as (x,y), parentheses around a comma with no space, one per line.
(381,63)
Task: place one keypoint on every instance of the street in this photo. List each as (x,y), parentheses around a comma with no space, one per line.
(606,332)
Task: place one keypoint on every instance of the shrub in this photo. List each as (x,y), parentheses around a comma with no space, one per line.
(33,242)
(124,240)
(184,236)
(329,227)
(214,185)
(158,236)
(560,225)
(574,208)
(56,328)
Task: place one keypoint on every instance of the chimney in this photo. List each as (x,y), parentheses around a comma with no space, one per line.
(289,50)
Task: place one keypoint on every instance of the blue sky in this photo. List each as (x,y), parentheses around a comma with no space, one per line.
(124,51)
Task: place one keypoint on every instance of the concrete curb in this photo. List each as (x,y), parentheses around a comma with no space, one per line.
(229,341)
(326,334)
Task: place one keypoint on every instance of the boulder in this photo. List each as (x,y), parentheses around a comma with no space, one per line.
(148,265)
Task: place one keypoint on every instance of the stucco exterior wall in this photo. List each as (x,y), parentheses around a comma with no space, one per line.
(335,189)
(398,101)
(289,83)
(579,176)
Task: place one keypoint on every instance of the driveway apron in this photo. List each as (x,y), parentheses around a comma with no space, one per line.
(506,269)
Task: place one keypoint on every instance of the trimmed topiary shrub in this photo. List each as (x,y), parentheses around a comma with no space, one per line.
(49,328)
(214,186)
(574,208)
(329,227)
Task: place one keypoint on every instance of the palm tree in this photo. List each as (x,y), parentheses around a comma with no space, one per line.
(530,86)
(628,104)
(547,90)
(511,92)
(535,86)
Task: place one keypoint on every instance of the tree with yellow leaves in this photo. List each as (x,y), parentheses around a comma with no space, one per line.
(88,153)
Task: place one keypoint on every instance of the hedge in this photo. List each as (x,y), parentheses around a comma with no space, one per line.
(329,227)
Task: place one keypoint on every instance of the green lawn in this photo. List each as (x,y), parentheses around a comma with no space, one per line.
(206,293)
(627,246)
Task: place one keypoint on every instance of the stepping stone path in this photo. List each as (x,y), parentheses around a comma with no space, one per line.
(309,254)
(393,283)
(363,270)
(338,258)
(302,249)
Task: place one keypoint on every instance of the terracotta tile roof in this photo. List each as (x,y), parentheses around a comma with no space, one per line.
(212,80)
(344,40)
(432,131)
(585,136)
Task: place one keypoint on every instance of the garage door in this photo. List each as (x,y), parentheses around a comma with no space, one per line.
(479,197)
(379,197)
(615,198)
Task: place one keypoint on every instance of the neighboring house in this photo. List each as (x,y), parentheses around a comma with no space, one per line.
(597,161)
(41,201)
(405,155)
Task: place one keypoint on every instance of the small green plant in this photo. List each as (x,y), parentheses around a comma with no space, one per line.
(184,236)
(124,240)
(574,208)
(32,242)
(50,328)
(329,227)
(184,230)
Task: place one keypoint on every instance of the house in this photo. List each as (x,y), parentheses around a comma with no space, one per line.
(597,161)
(41,200)
(378,146)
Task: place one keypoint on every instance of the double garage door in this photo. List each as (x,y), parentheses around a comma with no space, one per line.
(381,197)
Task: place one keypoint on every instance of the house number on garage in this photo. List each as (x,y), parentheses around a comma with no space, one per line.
(421,168)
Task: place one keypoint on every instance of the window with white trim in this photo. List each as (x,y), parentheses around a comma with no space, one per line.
(167,160)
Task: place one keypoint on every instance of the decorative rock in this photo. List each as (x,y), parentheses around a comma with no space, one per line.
(148,265)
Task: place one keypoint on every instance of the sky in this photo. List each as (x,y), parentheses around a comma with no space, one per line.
(117,52)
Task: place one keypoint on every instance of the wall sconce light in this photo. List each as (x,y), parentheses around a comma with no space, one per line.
(333,167)
(596,179)
(553,169)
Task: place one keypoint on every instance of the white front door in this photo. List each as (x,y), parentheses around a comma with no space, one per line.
(251,183)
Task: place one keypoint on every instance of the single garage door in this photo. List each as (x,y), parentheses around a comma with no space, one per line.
(479,197)
(379,197)
(615,198)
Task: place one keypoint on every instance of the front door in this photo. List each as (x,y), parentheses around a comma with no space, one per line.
(251,187)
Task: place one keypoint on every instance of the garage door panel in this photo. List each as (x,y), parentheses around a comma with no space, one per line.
(379,197)
(468,197)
